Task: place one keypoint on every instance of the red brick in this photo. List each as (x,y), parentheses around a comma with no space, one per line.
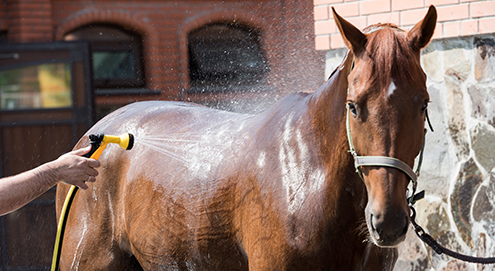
(39,13)
(325,27)
(323,2)
(92,15)
(374,6)
(411,17)
(487,26)
(469,27)
(482,9)
(322,42)
(392,17)
(359,22)
(451,13)
(348,9)
(31,21)
(19,13)
(336,41)
(405,5)
(440,2)
(438,34)
(321,13)
(451,29)
(27,6)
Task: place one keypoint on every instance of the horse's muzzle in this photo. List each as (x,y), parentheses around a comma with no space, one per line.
(388,230)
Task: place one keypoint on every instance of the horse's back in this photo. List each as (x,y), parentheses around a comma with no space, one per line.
(162,118)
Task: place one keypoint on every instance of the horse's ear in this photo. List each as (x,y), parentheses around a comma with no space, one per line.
(353,38)
(419,36)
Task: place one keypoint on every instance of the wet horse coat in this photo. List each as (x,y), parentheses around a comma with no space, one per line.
(275,191)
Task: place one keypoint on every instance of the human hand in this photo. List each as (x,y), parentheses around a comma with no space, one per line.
(74,169)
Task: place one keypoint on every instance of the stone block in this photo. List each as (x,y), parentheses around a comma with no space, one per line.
(483,204)
(413,255)
(456,55)
(483,144)
(432,64)
(449,240)
(482,98)
(456,115)
(456,265)
(484,59)
(432,216)
(465,187)
(438,160)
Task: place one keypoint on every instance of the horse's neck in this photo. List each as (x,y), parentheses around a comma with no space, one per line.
(331,96)
(327,108)
(328,112)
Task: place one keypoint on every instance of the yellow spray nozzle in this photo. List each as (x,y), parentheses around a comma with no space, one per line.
(125,141)
(99,142)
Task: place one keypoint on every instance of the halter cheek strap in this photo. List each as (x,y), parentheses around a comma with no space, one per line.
(384,161)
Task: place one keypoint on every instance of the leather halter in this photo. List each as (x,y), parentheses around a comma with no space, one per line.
(385,161)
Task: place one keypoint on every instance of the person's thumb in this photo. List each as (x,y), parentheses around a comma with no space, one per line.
(82,151)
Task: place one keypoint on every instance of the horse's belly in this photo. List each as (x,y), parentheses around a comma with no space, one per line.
(181,223)
(188,243)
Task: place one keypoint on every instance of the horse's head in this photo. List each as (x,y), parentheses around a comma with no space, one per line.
(387,100)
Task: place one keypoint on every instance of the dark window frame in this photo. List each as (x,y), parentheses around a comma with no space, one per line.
(137,81)
(130,43)
(233,71)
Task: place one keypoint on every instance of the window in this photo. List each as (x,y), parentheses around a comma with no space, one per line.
(117,61)
(224,54)
(36,86)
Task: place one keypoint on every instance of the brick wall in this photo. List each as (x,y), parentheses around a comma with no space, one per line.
(286,27)
(455,17)
(26,21)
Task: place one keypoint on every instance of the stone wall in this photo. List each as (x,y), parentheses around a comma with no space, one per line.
(458,171)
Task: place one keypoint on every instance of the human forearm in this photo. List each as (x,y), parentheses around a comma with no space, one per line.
(71,168)
(18,190)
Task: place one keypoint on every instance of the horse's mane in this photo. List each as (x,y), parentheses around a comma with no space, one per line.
(390,53)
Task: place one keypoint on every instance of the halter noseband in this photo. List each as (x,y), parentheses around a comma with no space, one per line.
(385,161)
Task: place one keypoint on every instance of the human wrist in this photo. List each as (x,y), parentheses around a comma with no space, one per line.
(48,173)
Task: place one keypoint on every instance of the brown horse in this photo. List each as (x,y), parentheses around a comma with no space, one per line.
(275,191)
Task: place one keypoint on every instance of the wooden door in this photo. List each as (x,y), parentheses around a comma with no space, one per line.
(46,104)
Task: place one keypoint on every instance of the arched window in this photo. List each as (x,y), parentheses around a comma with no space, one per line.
(223,55)
(116,57)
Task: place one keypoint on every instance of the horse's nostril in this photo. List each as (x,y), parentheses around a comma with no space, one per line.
(377,223)
(376,227)
(389,230)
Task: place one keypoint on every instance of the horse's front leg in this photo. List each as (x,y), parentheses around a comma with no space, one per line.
(266,256)
(261,237)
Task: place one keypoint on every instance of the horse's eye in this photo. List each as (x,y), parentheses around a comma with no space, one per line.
(352,108)
(424,107)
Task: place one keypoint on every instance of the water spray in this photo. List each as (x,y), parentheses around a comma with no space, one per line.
(98,143)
